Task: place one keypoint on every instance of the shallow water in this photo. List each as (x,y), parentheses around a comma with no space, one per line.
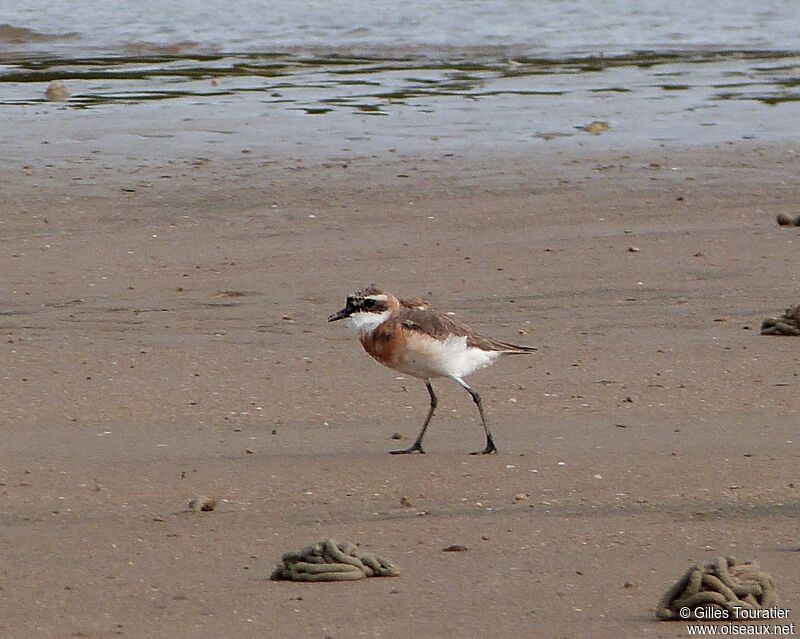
(321,83)
(492,70)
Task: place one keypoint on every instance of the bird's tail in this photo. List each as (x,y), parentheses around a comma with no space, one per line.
(515,349)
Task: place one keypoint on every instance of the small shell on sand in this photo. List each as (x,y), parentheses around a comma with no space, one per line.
(57,91)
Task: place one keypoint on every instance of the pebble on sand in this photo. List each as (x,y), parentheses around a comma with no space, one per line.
(203,504)
(784,219)
(596,128)
(57,91)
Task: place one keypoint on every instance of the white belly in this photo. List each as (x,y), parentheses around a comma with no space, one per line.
(426,357)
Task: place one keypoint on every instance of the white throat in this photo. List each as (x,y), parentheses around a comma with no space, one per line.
(363,323)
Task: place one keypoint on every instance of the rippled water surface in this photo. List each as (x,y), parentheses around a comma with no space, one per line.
(533,27)
(530,62)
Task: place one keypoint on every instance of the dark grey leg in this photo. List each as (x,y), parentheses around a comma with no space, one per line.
(490,447)
(416,447)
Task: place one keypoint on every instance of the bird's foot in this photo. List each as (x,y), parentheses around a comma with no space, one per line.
(416,447)
(490,448)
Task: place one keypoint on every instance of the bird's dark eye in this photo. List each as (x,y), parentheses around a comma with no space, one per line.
(369,303)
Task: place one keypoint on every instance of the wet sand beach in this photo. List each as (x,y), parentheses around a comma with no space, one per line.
(164,336)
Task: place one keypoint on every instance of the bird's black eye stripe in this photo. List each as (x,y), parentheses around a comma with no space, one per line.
(369,303)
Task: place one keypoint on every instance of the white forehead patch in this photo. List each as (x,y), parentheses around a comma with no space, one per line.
(378,298)
(365,322)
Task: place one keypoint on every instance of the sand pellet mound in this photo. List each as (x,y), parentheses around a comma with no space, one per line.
(786,324)
(329,561)
(723,584)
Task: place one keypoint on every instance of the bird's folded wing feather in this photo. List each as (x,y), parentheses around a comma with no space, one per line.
(441,327)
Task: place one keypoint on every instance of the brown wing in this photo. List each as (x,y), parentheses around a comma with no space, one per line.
(442,326)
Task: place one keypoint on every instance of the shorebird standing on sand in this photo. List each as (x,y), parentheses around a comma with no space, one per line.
(409,337)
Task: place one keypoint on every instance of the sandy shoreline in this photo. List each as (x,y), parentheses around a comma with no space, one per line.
(164,336)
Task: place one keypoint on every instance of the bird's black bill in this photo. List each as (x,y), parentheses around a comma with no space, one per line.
(345,312)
